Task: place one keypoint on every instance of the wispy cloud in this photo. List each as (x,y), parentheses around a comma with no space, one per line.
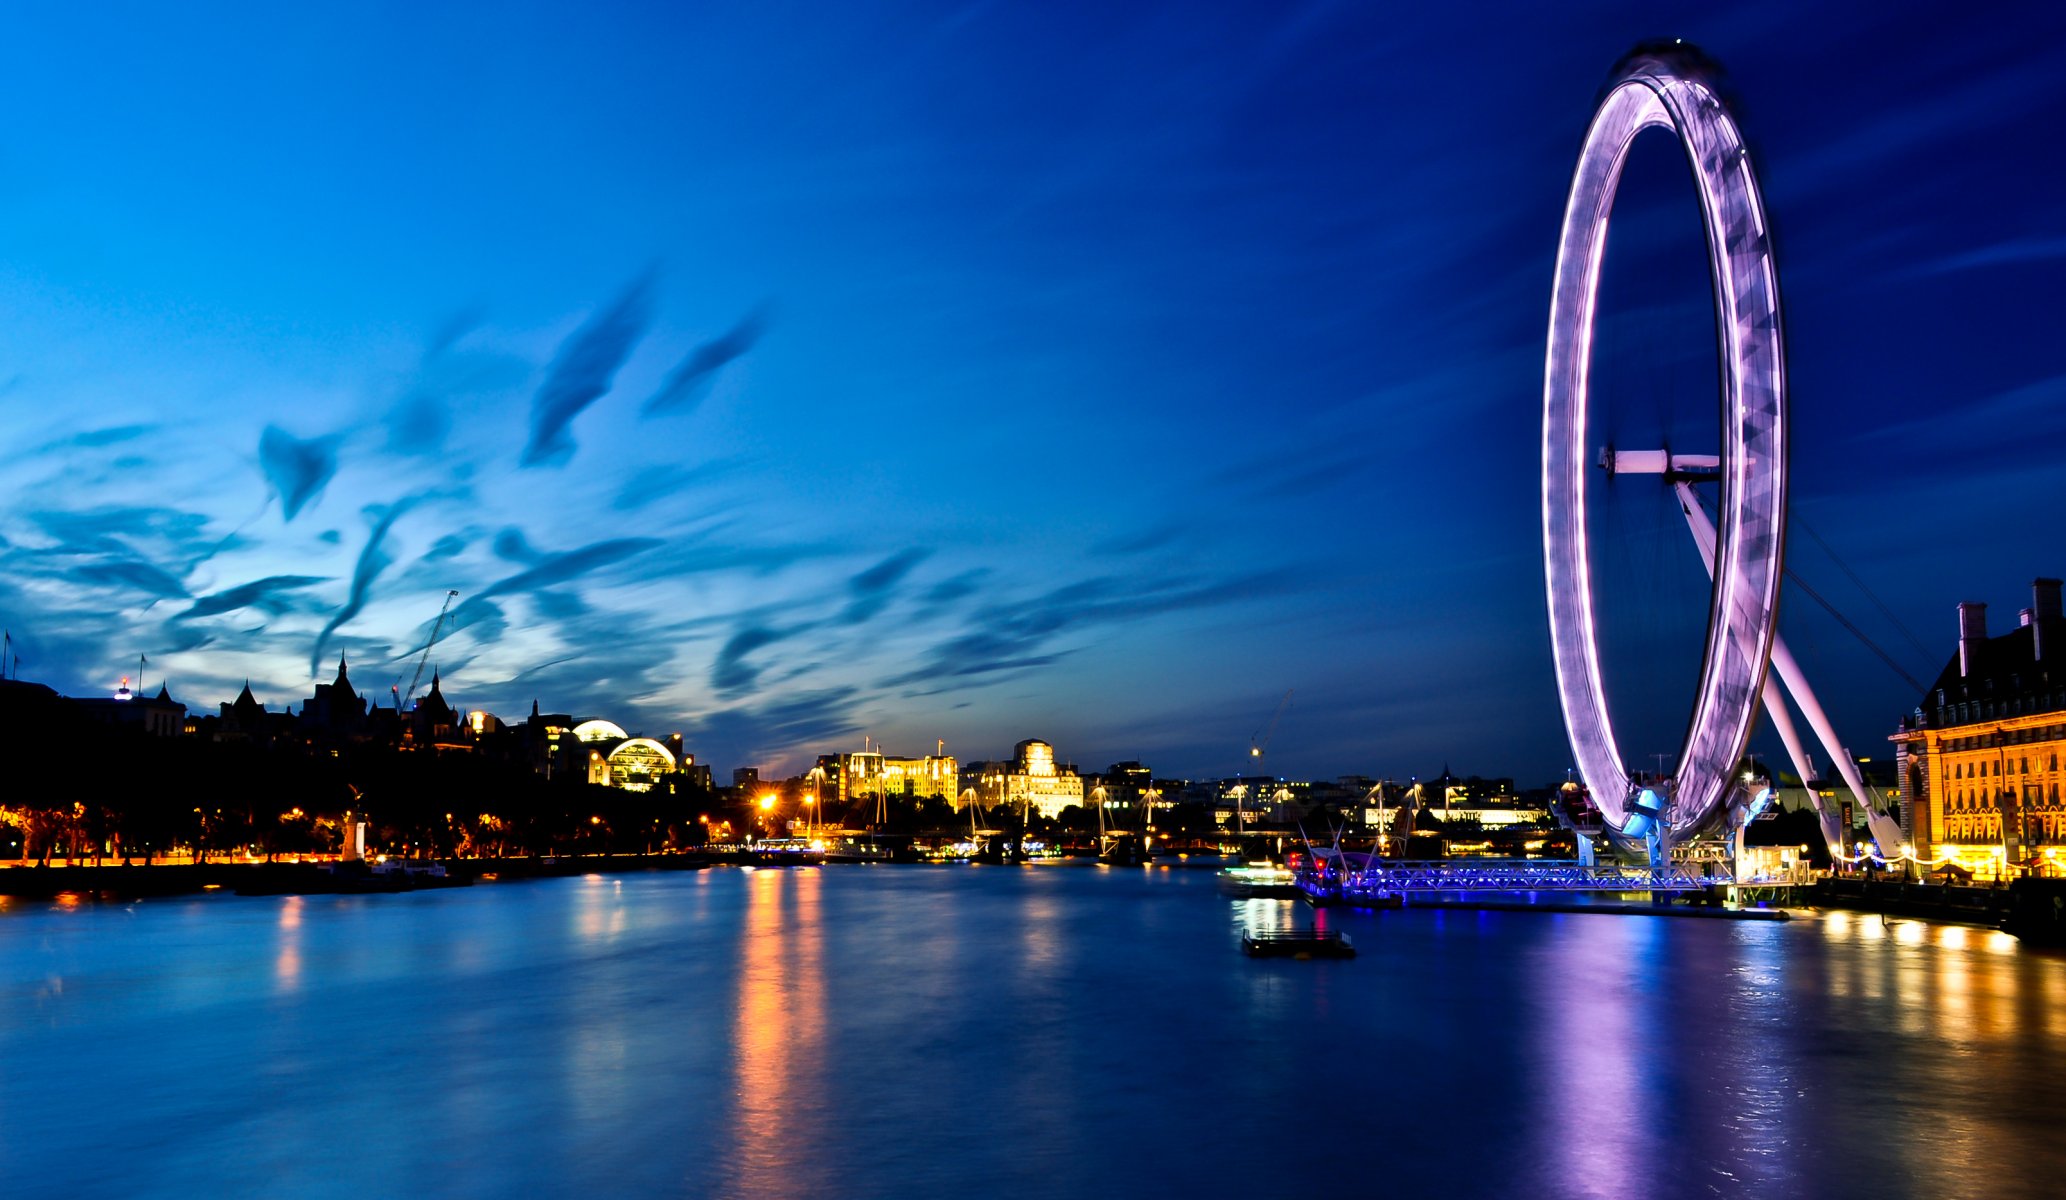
(270,594)
(873,588)
(2015,252)
(583,370)
(374,558)
(297,468)
(690,379)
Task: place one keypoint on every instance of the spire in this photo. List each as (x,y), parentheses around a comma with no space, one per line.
(341,676)
(164,692)
(534,708)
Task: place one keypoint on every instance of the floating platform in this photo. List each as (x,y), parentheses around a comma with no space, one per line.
(1611,909)
(1298,944)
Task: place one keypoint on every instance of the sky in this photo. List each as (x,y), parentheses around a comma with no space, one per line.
(789,375)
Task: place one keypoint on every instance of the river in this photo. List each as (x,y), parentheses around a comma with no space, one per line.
(1051,1030)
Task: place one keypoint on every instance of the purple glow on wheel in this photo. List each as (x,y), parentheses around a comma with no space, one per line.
(1668,91)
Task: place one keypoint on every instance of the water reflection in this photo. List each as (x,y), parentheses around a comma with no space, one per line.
(920,1031)
(287,950)
(1595,1126)
(777,1034)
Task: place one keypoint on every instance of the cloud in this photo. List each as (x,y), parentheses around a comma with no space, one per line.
(731,674)
(132,573)
(510,546)
(664,480)
(489,621)
(268,595)
(766,734)
(552,569)
(874,587)
(686,384)
(297,468)
(586,365)
(1004,639)
(120,530)
(373,560)
(957,587)
(1142,542)
(418,423)
(94,439)
(2010,253)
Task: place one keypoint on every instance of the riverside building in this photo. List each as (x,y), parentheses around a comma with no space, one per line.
(1032,780)
(872,774)
(1979,758)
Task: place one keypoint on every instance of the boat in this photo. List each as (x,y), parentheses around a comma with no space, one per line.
(1298,943)
(783,852)
(1259,880)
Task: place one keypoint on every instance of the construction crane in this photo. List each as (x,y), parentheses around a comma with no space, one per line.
(1258,746)
(436,628)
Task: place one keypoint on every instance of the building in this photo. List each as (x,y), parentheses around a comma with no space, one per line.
(1032,781)
(159,716)
(636,764)
(1979,758)
(336,707)
(871,774)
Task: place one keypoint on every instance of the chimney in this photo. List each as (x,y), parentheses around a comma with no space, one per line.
(1972,630)
(2044,609)
(2023,618)
(2044,594)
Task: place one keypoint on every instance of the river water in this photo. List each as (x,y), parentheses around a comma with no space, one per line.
(1016,1031)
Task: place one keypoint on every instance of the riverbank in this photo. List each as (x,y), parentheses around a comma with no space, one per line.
(136,881)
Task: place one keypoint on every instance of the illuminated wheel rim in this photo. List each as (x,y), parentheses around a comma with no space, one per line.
(1670,91)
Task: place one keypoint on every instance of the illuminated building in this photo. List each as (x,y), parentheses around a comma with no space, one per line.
(548,740)
(1031,781)
(869,774)
(636,764)
(1979,758)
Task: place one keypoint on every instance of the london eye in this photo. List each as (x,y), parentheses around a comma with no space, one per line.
(1670,89)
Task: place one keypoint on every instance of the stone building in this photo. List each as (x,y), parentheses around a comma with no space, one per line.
(1979,757)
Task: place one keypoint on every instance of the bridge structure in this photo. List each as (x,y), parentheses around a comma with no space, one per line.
(1383,882)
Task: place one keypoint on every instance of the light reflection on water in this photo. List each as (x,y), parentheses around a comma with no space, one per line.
(1049,1030)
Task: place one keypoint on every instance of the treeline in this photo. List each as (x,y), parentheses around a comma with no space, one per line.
(80,789)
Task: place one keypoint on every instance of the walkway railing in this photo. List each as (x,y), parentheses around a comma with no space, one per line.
(1501,875)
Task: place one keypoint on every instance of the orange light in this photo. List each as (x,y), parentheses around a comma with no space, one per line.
(767,803)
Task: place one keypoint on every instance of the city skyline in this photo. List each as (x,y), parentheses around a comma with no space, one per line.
(959,378)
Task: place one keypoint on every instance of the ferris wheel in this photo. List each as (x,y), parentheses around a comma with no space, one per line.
(1670,87)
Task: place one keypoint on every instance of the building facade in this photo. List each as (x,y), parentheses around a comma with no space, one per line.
(1979,759)
(1032,781)
(869,774)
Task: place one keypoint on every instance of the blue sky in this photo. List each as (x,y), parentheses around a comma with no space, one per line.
(785,375)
